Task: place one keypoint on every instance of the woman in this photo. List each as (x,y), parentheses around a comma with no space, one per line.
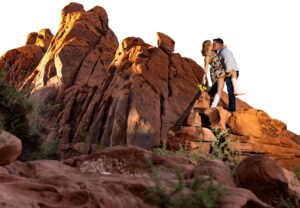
(217,72)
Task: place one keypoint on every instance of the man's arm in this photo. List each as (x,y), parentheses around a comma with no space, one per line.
(229,60)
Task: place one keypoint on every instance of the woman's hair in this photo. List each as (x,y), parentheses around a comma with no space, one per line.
(205,46)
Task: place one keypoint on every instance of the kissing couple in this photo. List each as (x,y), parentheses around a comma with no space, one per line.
(223,68)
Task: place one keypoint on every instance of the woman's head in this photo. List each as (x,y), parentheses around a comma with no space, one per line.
(206,47)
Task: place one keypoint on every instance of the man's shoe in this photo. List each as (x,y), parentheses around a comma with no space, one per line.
(239,93)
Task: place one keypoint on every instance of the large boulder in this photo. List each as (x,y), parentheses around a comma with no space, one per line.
(10,147)
(256,123)
(264,178)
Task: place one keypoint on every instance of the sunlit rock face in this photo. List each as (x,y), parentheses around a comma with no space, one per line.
(19,63)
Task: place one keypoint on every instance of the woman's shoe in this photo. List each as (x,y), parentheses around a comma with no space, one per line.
(215,101)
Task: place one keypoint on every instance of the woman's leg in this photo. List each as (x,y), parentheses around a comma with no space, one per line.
(217,97)
(220,85)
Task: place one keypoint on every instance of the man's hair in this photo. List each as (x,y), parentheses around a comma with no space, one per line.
(219,40)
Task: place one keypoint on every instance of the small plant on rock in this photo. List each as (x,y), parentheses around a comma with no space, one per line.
(201,192)
(297,170)
(50,151)
(220,148)
(162,150)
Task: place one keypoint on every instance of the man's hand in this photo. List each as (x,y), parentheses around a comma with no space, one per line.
(228,75)
(222,75)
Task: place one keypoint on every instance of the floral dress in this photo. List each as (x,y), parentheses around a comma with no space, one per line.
(216,68)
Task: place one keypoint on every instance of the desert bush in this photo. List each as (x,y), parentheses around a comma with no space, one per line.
(297,170)
(201,192)
(286,202)
(40,110)
(162,150)
(14,107)
(50,151)
(220,148)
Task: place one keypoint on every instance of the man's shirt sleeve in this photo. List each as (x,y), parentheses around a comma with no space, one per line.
(229,60)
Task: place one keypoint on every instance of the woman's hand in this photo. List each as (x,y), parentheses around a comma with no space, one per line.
(204,78)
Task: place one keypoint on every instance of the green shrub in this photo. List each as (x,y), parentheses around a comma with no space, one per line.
(201,192)
(41,109)
(14,106)
(50,151)
(290,202)
(162,150)
(181,152)
(220,148)
(297,170)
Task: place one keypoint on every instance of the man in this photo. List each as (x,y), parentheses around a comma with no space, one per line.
(231,69)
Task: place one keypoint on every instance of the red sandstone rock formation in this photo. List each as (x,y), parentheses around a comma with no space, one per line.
(132,95)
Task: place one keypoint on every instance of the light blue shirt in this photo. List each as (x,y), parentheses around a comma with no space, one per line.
(227,60)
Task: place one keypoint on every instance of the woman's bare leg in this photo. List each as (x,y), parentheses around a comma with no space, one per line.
(219,92)
(221,85)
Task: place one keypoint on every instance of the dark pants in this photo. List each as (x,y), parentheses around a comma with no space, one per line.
(231,97)
(230,90)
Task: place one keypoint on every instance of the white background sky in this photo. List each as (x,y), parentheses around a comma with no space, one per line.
(263,35)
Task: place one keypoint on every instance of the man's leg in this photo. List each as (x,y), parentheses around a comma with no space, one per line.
(231,97)
(213,90)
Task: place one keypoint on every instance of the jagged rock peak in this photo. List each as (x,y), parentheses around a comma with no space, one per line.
(31,38)
(72,7)
(165,42)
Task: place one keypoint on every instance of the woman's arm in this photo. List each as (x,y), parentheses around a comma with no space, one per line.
(206,64)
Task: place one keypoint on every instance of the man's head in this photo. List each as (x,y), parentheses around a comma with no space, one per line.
(217,44)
